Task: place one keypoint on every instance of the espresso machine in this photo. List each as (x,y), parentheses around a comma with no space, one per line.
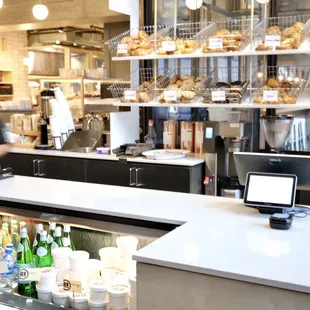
(221,140)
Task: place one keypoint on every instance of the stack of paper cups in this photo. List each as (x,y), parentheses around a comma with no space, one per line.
(65,109)
(55,132)
(56,111)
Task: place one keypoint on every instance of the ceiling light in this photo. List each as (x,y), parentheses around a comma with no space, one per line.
(57,42)
(262,1)
(193,4)
(60,30)
(1,4)
(40,11)
(74,44)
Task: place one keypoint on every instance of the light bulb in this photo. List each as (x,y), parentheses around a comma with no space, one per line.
(40,11)
(193,4)
(1,4)
(262,1)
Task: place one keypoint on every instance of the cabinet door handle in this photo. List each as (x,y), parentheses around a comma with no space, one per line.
(138,184)
(41,172)
(34,166)
(131,171)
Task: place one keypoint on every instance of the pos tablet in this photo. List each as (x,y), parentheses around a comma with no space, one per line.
(265,190)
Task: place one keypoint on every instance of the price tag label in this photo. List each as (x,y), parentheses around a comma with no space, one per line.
(168,46)
(130,95)
(72,286)
(167,137)
(271,95)
(29,274)
(122,48)
(4,267)
(215,43)
(170,95)
(272,40)
(218,95)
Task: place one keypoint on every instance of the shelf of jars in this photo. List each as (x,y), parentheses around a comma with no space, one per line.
(267,87)
(230,37)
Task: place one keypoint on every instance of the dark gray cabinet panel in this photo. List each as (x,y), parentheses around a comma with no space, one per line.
(108,172)
(21,163)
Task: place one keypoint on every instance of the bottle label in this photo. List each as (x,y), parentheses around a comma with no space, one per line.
(41,252)
(4,268)
(54,246)
(49,239)
(35,242)
(20,248)
(66,241)
(21,267)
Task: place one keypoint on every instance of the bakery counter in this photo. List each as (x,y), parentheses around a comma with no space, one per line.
(190,161)
(221,255)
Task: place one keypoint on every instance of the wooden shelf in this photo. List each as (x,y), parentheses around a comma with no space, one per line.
(19,110)
(26,133)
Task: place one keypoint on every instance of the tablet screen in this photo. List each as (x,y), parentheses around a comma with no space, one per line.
(270,189)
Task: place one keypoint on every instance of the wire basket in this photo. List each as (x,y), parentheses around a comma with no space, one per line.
(229,85)
(135,42)
(184,85)
(279,84)
(231,35)
(282,33)
(184,38)
(142,86)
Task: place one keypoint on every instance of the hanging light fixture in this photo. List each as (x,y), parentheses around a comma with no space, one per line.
(262,1)
(193,4)
(1,4)
(40,11)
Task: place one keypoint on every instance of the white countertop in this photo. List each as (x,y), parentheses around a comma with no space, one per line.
(189,161)
(218,236)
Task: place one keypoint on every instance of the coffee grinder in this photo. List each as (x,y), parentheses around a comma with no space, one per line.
(221,140)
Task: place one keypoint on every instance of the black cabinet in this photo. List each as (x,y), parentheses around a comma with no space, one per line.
(51,167)
(148,176)
(108,172)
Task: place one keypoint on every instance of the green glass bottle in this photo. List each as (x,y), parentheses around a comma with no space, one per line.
(15,235)
(67,240)
(25,260)
(39,228)
(57,243)
(43,255)
(50,237)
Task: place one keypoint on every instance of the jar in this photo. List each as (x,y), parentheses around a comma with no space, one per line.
(170,134)
(187,136)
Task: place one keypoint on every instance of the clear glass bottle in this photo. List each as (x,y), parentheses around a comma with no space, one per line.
(15,235)
(43,254)
(50,237)
(67,240)
(7,278)
(6,238)
(57,243)
(25,260)
(150,138)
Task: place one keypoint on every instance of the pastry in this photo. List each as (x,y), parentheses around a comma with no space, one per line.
(146,85)
(174,79)
(229,42)
(296,40)
(274,83)
(142,34)
(222,33)
(263,47)
(286,84)
(187,77)
(132,47)
(284,46)
(221,85)
(144,97)
(198,79)
(288,33)
(274,30)
(179,83)
(188,84)
(236,35)
(145,44)
(299,26)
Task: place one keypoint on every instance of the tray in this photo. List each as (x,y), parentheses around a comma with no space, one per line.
(232,93)
(165,154)
(279,84)
(278,33)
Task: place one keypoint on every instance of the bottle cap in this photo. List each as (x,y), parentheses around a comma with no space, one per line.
(67,228)
(58,231)
(10,246)
(23,232)
(43,233)
(52,226)
(39,228)
(8,251)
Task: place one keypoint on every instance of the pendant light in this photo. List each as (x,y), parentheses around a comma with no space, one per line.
(262,1)
(40,11)
(193,4)
(1,4)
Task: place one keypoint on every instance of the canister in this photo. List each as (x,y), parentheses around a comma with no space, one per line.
(187,136)
(199,128)
(170,134)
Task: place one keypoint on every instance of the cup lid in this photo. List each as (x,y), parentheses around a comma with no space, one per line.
(118,290)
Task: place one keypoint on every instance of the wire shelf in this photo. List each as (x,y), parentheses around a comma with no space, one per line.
(184,38)
(282,33)
(135,42)
(184,85)
(279,84)
(229,35)
(143,87)
(229,85)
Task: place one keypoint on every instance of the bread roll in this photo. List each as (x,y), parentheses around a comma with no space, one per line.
(263,47)
(273,82)
(274,30)
(299,26)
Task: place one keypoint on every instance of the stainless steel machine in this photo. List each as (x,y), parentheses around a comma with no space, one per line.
(221,140)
